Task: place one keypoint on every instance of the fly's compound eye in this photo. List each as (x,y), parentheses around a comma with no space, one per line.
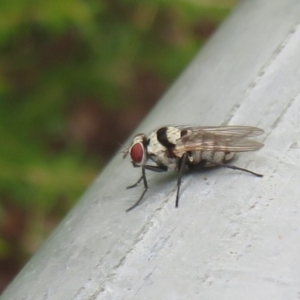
(137,153)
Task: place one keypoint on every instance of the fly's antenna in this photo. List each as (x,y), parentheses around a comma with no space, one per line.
(125,152)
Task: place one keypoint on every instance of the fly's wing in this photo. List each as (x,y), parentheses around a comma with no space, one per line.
(221,138)
(230,131)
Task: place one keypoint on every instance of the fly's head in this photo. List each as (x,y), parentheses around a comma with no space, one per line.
(138,150)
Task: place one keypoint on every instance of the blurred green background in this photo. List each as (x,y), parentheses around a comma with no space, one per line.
(76,77)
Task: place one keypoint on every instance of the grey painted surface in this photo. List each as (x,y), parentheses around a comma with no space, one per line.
(234,236)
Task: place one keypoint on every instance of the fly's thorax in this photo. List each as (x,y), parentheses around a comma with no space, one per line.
(163,139)
(168,135)
(161,144)
(154,146)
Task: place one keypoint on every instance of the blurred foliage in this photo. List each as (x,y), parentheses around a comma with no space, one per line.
(74,74)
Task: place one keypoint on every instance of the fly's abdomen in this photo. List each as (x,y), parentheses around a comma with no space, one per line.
(209,157)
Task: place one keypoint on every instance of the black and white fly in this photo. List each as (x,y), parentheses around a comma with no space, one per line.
(179,147)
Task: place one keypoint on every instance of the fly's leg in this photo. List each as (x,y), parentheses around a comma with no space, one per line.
(135,184)
(144,192)
(235,168)
(143,177)
(182,164)
(150,168)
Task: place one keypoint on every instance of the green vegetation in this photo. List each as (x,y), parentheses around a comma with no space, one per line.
(70,73)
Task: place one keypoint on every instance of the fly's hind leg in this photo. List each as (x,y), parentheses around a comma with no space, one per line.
(235,168)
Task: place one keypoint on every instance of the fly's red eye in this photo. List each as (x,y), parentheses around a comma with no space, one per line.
(137,152)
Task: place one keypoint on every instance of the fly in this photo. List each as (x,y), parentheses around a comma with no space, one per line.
(175,148)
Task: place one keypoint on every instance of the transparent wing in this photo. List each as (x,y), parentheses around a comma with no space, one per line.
(219,138)
(232,130)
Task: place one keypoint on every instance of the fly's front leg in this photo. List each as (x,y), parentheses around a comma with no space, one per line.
(144,192)
(143,177)
(150,168)
(135,184)
(181,165)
